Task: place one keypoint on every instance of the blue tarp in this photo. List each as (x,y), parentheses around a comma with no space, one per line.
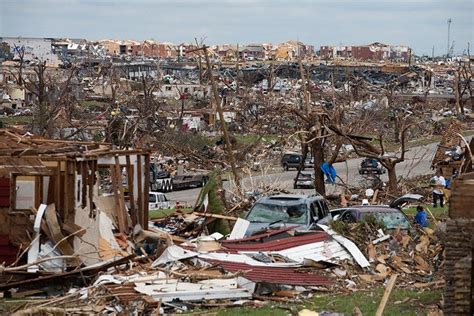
(329,171)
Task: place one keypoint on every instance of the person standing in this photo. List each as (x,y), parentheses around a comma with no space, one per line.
(438,183)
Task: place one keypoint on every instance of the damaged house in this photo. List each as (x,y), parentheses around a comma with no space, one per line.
(68,198)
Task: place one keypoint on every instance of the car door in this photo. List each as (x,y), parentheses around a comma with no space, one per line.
(152,201)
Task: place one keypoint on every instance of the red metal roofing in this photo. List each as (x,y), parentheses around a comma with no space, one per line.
(277,244)
(274,275)
(260,236)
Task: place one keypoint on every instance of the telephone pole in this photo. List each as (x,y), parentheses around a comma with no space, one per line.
(449,33)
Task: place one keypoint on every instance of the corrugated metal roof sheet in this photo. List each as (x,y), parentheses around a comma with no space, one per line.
(277,244)
(288,276)
(329,251)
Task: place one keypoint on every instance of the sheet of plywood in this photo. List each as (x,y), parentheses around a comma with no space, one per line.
(56,233)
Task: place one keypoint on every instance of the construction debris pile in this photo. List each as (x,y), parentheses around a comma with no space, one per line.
(416,257)
(166,270)
(208,271)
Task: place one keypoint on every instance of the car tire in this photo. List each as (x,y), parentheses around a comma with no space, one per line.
(285,167)
(295,186)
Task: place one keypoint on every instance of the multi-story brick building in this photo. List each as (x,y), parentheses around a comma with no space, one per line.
(374,51)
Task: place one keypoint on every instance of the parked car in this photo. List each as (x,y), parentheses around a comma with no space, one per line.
(391,215)
(186,181)
(287,210)
(292,160)
(304,180)
(371,166)
(158,200)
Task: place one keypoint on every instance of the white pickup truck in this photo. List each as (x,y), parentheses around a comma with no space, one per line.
(158,200)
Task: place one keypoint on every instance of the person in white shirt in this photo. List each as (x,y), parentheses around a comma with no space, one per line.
(438,183)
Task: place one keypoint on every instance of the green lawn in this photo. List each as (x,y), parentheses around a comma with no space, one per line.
(437,212)
(401,302)
(165,212)
(16,120)
(251,138)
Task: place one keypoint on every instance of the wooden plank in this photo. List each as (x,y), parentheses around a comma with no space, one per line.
(146,192)
(57,192)
(131,188)
(118,197)
(38,191)
(55,230)
(13,192)
(71,199)
(90,185)
(139,189)
(66,191)
(84,173)
(230,218)
(386,295)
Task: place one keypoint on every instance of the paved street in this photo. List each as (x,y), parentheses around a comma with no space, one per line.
(417,162)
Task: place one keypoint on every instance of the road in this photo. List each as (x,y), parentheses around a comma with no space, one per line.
(417,162)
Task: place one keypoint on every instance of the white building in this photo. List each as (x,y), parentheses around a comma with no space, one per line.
(34,48)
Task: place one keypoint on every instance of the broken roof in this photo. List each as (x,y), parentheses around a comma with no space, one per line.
(14,142)
(450,139)
(30,166)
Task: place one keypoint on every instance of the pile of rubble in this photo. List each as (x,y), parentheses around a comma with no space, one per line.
(416,257)
(173,272)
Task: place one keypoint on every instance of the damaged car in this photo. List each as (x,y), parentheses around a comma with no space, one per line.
(391,215)
(304,180)
(302,212)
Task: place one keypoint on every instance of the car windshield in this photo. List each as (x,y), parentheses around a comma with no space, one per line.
(269,213)
(391,220)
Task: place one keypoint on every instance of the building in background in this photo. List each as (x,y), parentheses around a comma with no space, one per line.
(375,52)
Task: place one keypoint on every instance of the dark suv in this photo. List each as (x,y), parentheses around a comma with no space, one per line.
(287,210)
(292,160)
(371,166)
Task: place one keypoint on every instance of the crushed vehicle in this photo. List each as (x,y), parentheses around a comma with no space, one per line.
(293,160)
(391,215)
(302,212)
(304,180)
(158,200)
(186,181)
(371,166)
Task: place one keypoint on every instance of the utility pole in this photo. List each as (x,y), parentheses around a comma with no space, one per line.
(432,53)
(217,100)
(449,33)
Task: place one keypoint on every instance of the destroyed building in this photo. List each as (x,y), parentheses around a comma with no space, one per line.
(374,51)
(75,189)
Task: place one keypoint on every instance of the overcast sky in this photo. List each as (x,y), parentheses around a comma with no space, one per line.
(421,24)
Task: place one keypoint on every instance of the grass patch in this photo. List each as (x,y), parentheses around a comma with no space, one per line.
(159,213)
(251,138)
(437,212)
(248,311)
(408,302)
(401,302)
(16,120)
